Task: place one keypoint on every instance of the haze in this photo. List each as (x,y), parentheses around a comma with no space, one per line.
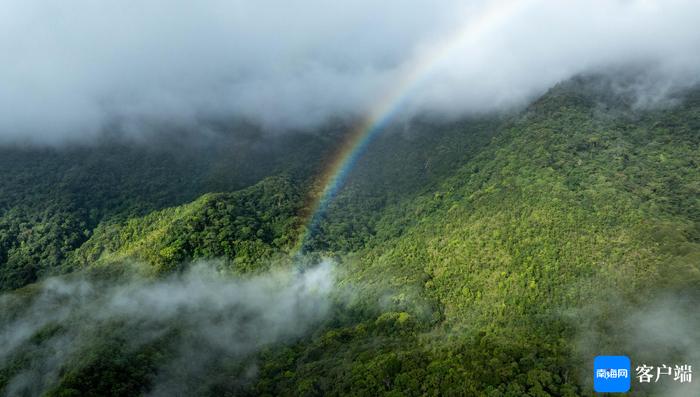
(72,69)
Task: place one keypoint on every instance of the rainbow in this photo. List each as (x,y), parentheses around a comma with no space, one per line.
(335,174)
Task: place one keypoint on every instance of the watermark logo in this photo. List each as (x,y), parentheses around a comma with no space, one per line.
(679,373)
(612,374)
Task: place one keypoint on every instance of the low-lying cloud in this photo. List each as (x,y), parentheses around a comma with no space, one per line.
(73,68)
(661,330)
(206,317)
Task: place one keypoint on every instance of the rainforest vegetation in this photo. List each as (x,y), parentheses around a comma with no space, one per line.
(491,255)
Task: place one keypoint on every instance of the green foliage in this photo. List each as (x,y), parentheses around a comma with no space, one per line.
(572,213)
(480,252)
(246,228)
(400,165)
(52,199)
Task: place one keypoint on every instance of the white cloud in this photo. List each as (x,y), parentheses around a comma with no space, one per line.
(212,315)
(70,67)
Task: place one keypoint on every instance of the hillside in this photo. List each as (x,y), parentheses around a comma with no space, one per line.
(53,199)
(491,256)
(562,239)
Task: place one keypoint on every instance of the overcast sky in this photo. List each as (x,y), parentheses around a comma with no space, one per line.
(71,67)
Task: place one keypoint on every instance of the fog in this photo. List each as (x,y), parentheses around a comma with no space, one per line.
(72,69)
(203,317)
(660,330)
(666,333)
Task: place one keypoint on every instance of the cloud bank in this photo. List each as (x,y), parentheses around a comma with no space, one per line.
(74,68)
(660,329)
(203,317)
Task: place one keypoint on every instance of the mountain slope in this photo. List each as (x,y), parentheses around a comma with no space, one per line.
(247,226)
(540,240)
(52,199)
(575,219)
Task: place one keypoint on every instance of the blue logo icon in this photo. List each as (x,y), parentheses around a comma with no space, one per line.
(611,374)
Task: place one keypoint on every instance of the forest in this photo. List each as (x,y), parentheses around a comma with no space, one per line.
(490,255)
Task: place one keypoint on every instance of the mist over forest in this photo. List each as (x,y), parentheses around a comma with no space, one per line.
(237,198)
